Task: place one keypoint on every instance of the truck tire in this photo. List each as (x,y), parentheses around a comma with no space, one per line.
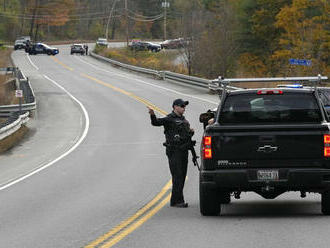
(224,197)
(325,202)
(209,202)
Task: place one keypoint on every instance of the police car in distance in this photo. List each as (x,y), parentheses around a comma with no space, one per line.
(324,93)
(294,86)
(41,48)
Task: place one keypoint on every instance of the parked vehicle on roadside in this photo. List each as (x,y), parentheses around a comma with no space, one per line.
(102,42)
(153,47)
(77,48)
(22,42)
(19,44)
(268,141)
(41,48)
(139,45)
(173,44)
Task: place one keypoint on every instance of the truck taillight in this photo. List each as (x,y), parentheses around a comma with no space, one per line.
(207,151)
(326,140)
(207,140)
(326,151)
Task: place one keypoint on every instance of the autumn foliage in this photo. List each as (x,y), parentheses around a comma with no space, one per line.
(231,38)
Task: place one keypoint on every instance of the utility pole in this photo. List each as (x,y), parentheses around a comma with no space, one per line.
(33,18)
(165,5)
(126,15)
(110,15)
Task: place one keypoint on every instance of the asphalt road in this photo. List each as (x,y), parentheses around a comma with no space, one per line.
(97,175)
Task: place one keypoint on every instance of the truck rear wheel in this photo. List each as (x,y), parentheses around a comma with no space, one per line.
(224,197)
(209,201)
(325,202)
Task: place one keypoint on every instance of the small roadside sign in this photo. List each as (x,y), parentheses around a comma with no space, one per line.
(304,62)
(7,69)
(19,93)
(165,4)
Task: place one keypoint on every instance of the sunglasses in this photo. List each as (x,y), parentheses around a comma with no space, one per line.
(182,106)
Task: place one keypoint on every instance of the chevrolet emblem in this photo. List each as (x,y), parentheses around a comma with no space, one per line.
(267,149)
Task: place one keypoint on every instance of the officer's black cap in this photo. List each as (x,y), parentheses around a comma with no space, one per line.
(179,102)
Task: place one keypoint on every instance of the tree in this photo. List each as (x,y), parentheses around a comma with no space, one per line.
(189,28)
(217,47)
(8,23)
(258,36)
(306,36)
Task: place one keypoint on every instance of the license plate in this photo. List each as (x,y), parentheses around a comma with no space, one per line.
(267,175)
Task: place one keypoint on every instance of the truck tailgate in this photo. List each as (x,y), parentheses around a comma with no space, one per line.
(266,143)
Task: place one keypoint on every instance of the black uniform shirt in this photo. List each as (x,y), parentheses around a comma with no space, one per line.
(176,128)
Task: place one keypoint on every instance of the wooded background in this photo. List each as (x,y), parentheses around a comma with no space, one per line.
(232,38)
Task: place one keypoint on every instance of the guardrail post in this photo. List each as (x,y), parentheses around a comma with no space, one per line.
(162,75)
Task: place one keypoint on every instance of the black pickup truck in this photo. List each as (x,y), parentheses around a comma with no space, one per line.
(267,141)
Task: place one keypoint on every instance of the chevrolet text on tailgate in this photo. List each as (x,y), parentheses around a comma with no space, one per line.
(265,140)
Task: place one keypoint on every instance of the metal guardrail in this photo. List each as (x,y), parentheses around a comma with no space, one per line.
(13,126)
(29,98)
(200,82)
(126,66)
(165,75)
(17,113)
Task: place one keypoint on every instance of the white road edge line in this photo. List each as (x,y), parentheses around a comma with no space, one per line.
(27,55)
(64,154)
(150,84)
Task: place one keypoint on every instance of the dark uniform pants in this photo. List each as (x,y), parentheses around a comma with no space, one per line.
(178,162)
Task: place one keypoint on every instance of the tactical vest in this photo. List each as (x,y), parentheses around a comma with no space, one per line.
(177,132)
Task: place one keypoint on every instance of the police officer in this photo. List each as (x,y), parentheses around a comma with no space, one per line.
(86,49)
(178,137)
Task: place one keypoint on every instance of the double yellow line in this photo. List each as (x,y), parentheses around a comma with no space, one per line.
(127,226)
(123,229)
(62,64)
(129,94)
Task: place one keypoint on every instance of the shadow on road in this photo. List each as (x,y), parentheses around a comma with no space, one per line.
(269,208)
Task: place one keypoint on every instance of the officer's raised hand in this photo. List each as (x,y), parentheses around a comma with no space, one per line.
(151,111)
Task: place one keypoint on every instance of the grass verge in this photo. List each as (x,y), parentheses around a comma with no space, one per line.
(13,139)
(161,61)
(7,96)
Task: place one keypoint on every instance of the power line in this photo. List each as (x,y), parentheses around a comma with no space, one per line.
(42,16)
(144,17)
(145,20)
(86,16)
(54,17)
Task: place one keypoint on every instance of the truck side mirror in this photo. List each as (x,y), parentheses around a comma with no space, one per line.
(205,117)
